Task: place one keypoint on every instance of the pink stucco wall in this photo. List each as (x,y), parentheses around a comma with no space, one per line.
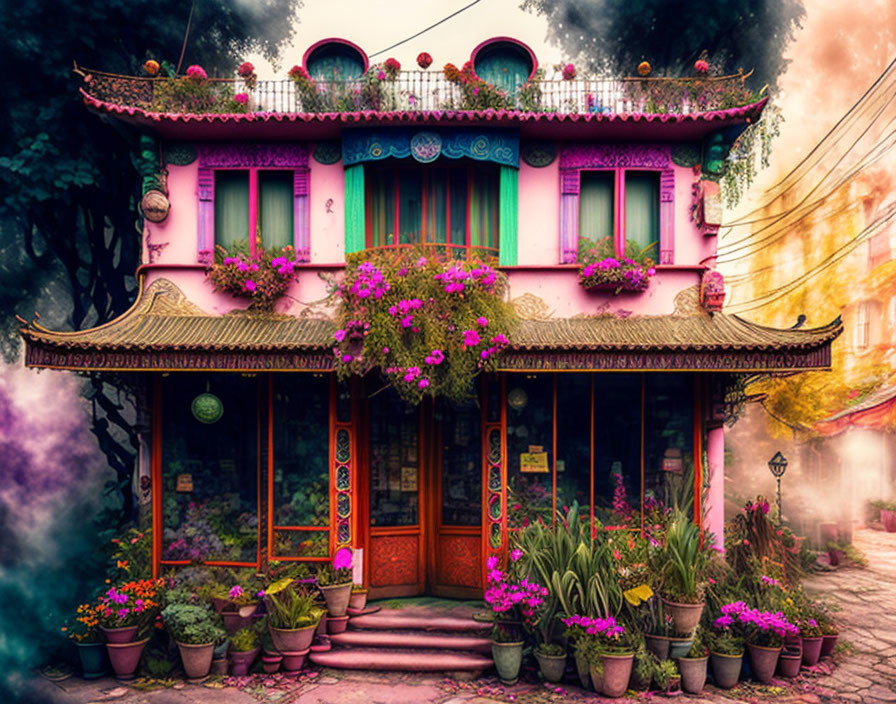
(537,272)
(714,509)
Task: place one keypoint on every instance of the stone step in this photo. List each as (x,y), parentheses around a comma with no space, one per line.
(425,660)
(402,621)
(412,639)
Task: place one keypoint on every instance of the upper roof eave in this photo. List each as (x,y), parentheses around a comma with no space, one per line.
(273,125)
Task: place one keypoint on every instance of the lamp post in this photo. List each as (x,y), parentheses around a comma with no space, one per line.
(778,465)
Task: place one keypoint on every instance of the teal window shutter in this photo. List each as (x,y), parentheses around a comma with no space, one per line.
(354,209)
(509,213)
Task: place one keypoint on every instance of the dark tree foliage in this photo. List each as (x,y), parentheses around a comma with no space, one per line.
(70,235)
(616,35)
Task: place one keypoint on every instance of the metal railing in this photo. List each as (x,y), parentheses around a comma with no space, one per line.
(421,91)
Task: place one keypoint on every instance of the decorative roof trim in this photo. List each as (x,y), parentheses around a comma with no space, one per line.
(432,116)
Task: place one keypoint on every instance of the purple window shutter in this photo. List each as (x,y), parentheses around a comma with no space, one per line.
(569,216)
(667,216)
(302,214)
(206,229)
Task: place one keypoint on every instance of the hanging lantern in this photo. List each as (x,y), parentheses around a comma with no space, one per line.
(207,408)
(155,206)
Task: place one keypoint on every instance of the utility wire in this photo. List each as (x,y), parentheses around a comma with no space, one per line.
(424,31)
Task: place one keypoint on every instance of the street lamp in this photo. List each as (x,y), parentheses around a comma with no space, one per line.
(778,465)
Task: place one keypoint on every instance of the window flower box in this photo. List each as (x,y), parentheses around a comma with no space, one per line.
(601,269)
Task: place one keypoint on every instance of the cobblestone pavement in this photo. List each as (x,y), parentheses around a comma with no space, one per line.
(866,674)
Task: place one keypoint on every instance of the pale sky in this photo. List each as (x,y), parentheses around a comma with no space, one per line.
(375,25)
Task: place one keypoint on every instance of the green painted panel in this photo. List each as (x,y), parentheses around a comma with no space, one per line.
(354,208)
(508,215)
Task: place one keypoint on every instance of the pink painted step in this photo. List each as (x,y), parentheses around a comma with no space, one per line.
(388,639)
(398,621)
(403,660)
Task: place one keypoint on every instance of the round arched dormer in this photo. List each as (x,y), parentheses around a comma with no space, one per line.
(504,62)
(335,59)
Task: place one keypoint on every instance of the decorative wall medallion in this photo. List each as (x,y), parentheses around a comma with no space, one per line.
(494,507)
(494,477)
(538,154)
(155,206)
(426,147)
(494,536)
(179,153)
(687,155)
(343,506)
(328,152)
(207,408)
(344,532)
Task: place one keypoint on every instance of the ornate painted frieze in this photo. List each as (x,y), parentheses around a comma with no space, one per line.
(498,146)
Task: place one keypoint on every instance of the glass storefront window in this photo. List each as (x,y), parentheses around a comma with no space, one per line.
(617,440)
(530,441)
(210,469)
(574,442)
(461,463)
(669,440)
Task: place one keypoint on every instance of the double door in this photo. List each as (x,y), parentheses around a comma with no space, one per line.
(423,498)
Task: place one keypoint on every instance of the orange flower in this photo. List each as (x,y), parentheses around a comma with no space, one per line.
(122,564)
(643,69)
(151,67)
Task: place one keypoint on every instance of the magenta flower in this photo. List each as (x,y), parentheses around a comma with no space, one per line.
(241,98)
(197,73)
(423,383)
(346,358)
(339,335)
(482,321)
(235,592)
(516,554)
(250,285)
(471,338)
(343,559)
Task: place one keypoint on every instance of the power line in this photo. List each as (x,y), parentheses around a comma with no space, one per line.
(424,31)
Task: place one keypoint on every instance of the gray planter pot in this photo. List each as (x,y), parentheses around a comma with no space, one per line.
(551,666)
(726,669)
(693,674)
(508,657)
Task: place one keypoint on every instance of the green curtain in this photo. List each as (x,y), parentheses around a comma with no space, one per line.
(508,217)
(596,205)
(354,208)
(410,207)
(335,67)
(381,192)
(275,208)
(436,209)
(231,207)
(457,179)
(642,210)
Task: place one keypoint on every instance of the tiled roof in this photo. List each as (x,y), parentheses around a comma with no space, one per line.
(164,321)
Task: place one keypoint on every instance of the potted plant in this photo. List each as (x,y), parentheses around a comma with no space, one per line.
(358,599)
(811,636)
(335,582)
(790,659)
(245,645)
(237,607)
(642,668)
(292,615)
(195,628)
(611,656)
(765,633)
(270,659)
(726,649)
(646,610)
(84,631)
(602,269)
(263,277)
(684,562)
(667,678)
(829,631)
(126,616)
(513,601)
(693,665)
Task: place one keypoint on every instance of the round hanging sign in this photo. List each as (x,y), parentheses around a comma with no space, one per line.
(207,408)
(426,147)
(155,206)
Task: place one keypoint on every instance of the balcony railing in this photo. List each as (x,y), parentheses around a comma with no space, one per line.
(421,91)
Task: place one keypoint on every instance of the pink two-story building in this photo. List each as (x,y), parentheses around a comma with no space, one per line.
(253,449)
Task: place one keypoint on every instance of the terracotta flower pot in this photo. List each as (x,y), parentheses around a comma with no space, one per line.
(233,621)
(125,657)
(812,650)
(726,669)
(219,666)
(93,659)
(763,662)
(358,600)
(583,669)
(508,657)
(120,635)
(337,624)
(613,680)
(197,659)
(337,597)
(888,518)
(789,664)
(693,674)
(294,662)
(240,662)
(271,663)
(828,644)
(551,666)
(680,647)
(658,645)
(292,640)
(685,617)
(322,626)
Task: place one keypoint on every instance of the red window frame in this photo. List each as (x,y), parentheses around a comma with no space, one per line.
(424,172)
